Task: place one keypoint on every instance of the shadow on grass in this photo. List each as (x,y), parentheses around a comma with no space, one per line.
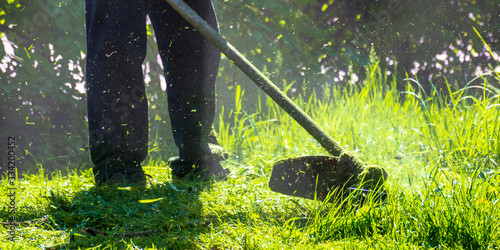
(165,215)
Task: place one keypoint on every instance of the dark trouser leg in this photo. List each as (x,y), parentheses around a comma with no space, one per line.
(117,104)
(190,64)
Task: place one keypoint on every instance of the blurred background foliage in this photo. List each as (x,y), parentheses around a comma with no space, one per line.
(305,45)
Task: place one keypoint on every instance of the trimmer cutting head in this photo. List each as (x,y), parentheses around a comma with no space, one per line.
(316,176)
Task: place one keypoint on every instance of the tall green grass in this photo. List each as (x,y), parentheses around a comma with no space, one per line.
(439,146)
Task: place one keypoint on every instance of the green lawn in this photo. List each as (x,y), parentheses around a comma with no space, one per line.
(440,148)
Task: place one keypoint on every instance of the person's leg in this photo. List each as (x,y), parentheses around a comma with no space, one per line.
(116,99)
(190,64)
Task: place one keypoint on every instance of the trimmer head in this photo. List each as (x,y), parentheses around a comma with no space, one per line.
(316,176)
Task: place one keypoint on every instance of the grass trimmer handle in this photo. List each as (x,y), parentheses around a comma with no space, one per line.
(257,77)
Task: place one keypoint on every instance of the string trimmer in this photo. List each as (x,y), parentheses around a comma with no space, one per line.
(309,176)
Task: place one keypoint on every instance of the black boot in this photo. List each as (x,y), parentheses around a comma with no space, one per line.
(206,167)
(120,173)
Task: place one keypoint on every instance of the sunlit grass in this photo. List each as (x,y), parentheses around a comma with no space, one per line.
(440,148)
